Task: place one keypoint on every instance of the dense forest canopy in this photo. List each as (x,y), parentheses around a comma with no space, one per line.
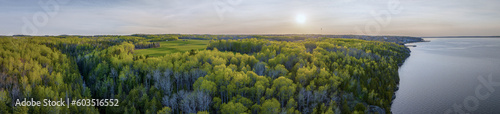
(250,75)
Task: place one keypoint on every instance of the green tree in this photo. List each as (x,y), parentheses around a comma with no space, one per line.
(165,110)
(285,88)
(270,106)
(233,108)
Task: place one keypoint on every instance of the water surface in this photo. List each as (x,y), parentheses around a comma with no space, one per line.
(446,72)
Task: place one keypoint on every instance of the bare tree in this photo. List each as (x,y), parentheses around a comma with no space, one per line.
(148,76)
(320,96)
(15,94)
(260,68)
(203,100)
(186,79)
(304,99)
(156,74)
(301,98)
(178,79)
(188,102)
(2,80)
(113,73)
(164,82)
(196,73)
(173,102)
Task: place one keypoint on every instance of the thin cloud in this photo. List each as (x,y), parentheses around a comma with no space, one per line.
(418,18)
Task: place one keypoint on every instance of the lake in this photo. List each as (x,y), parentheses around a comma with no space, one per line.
(450,75)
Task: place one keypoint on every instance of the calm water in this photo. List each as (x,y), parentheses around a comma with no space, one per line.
(447,71)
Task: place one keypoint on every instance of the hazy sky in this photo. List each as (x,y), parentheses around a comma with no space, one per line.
(371,17)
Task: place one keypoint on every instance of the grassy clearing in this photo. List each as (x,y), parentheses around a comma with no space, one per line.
(167,47)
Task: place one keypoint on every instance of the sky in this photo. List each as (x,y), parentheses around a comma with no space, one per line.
(339,17)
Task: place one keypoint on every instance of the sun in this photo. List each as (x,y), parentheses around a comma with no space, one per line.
(300,18)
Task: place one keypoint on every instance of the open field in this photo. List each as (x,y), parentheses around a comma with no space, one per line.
(167,47)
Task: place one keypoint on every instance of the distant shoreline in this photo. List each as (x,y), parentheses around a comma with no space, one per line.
(463,37)
(401,40)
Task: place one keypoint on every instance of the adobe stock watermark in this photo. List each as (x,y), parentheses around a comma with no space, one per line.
(482,92)
(41,18)
(223,6)
(382,18)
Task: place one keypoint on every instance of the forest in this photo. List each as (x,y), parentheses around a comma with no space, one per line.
(231,76)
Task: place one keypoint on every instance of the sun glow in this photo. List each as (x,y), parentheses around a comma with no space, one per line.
(300,18)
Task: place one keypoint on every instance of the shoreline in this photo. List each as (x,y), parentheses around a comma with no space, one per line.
(399,66)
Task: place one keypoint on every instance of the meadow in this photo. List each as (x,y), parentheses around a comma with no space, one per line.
(167,47)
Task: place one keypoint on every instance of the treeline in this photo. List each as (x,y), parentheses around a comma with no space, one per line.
(144,45)
(248,46)
(280,37)
(158,37)
(75,46)
(231,76)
